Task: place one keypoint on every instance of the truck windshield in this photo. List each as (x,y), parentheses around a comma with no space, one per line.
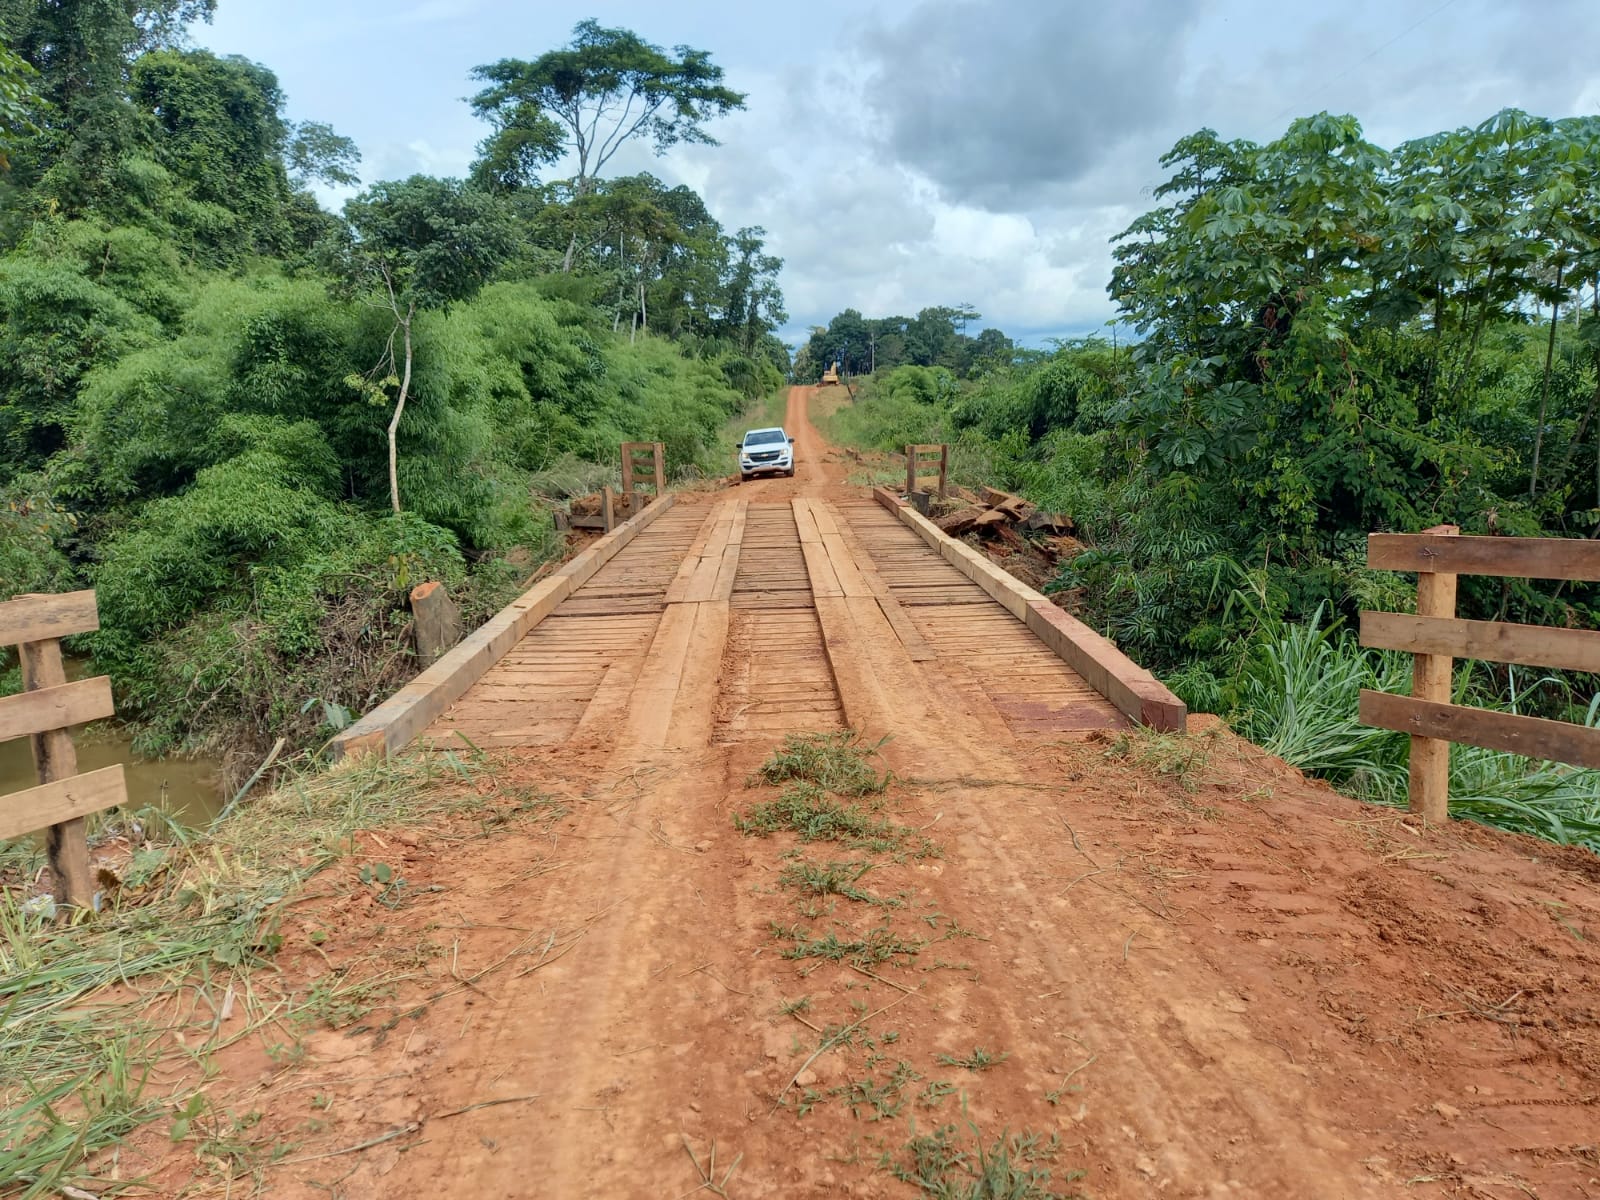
(762,437)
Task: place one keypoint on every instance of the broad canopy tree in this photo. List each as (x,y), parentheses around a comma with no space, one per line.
(1280,291)
(589,99)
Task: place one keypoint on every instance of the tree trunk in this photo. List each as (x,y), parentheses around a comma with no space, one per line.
(1438,347)
(1594,402)
(1472,346)
(622,290)
(633,334)
(399,408)
(1544,395)
(644,313)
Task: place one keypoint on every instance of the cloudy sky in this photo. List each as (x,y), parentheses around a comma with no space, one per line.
(906,153)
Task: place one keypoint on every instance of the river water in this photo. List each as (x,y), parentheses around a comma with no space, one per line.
(187,788)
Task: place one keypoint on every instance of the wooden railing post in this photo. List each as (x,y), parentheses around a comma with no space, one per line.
(914,465)
(54,758)
(1431,679)
(47,707)
(608,506)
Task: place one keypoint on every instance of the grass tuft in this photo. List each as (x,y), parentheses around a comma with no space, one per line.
(1176,756)
(979,1060)
(803,808)
(946,1166)
(834,879)
(879,945)
(835,762)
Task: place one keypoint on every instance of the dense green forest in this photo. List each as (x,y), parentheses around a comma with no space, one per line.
(1329,339)
(251,424)
(935,337)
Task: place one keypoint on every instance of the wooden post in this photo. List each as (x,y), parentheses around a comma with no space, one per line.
(944,472)
(608,506)
(661,468)
(911,469)
(1431,679)
(54,758)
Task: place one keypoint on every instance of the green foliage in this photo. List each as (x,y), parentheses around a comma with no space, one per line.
(33,527)
(55,324)
(935,337)
(16,102)
(591,96)
(1336,339)
(951,1165)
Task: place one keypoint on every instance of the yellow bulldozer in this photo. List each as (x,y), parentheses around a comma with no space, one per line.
(830,374)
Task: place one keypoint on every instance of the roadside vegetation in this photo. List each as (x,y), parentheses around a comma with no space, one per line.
(252,425)
(1329,339)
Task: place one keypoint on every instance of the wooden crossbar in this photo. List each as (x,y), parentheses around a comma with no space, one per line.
(653,471)
(1437,637)
(46,708)
(915,454)
(39,618)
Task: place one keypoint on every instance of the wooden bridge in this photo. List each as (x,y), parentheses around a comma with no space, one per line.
(730,618)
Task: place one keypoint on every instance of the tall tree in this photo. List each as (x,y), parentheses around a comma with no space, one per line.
(412,245)
(83,51)
(607,87)
(753,306)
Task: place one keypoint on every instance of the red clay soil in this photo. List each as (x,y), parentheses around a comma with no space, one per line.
(1192,972)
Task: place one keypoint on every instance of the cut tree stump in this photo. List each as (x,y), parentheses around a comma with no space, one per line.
(436,623)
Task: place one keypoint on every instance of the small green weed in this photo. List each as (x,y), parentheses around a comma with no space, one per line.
(834,879)
(979,1060)
(880,945)
(390,888)
(805,809)
(1015,1167)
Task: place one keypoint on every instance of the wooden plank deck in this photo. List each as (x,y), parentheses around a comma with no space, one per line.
(707,626)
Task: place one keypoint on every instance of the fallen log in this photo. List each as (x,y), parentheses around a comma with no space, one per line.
(957,523)
(1047,521)
(1014,507)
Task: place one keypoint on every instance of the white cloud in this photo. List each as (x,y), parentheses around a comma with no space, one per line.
(924,152)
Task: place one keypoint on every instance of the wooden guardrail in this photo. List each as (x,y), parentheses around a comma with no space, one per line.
(652,471)
(1437,637)
(404,715)
(916,456)
(1132,690)
(43,711)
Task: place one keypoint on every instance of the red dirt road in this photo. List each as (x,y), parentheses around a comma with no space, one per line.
(1219,981)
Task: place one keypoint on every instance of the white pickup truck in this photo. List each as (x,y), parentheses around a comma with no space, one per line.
(766,451)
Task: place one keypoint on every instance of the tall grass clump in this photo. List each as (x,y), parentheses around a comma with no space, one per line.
(836,762)
(1298,697)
